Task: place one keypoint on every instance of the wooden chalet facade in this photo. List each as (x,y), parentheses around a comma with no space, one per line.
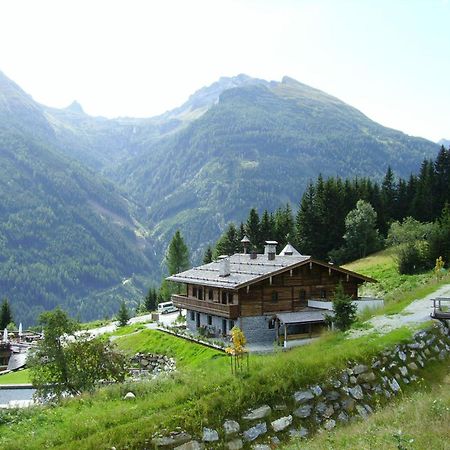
(266,295)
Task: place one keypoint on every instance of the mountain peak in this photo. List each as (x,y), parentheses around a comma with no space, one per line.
(75,107)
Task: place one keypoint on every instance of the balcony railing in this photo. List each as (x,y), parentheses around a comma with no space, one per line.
(205,306)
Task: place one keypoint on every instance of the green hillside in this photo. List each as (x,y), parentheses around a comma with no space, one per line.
(66,234)
(258,147)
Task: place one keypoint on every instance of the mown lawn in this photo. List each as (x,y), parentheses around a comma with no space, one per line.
(19,377)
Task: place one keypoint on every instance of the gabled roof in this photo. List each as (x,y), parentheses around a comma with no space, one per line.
(245,271)
(290,250)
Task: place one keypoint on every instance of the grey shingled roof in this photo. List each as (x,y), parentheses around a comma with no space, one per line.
(243,270)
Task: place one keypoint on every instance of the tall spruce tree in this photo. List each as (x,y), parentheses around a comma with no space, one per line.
(208,256)
(253,229)
(177,256)
(5,314)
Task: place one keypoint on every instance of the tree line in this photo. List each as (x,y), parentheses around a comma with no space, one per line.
(322,226)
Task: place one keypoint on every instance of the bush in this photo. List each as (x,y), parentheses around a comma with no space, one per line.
(411,259)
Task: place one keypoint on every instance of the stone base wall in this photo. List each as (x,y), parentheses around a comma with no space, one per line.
(215,328)
(353,393)
(256,329)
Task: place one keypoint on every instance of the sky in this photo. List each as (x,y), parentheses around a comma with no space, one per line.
(139,58)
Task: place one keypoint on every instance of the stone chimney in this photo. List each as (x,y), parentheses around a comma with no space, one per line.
(245,241)
(224,266)
(270,249)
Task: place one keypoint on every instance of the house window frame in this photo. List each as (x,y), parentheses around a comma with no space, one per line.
(209,319)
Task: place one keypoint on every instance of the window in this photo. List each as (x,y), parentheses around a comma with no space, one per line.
(192,315)
(200,293)
(323,293)
(230,298)
(209,320)
(274,297)
(194,291)
(210,294)
(231,324)
(271,324)
(224,297)
(302,295)
(224,326)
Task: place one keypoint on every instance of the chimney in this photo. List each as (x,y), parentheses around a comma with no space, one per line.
(270,249)
(245,241)
(224,266)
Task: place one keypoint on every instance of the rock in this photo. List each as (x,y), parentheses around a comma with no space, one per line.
(231,427)
(191,445)
(321,407)
(254,432)
(360,368)
(344,378)
(348,404)
(376,364)
(395,387)
(261,447)
(356,392)
(303,396)
(369,409)
(129,396)
(281,423)
(362,411)
(366,377)
(442,355)
(300,433)
(275,441)
(402,356)
(403,371)
(342,417)
(174,440)
(235,444)
(336,384)
(329,424)
(303,411)
(316,390)
(353,379)
(258,413)
(332,395)
(210,435)
(413,366)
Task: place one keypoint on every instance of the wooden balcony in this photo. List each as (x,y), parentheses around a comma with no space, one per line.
(205,306)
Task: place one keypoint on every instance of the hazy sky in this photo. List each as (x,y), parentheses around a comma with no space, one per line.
(390,59)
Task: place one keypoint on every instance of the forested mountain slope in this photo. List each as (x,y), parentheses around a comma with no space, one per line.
(257,147)
(65,233)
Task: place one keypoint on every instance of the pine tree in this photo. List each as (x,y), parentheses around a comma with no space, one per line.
(388,198)
(228,243)
(123,315)
(208,256)
(253,230)
(344,309)
(267,227)
(5,315)
(177,256)
(151,300)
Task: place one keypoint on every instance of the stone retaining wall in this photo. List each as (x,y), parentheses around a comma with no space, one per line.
(354,393)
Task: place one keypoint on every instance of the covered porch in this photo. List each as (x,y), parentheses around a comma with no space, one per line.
(306,324)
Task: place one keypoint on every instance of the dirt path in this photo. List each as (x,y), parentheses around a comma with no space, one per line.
(415,313)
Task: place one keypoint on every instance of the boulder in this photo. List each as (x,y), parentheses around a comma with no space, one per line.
(395,387)
(329,424)
(403,371)
(342,417)
(360,368)
(254,432)
(332,395)
(231,427)
(282,423)
(258,413)
(261,447)
(303,412)
(362,411)
(366,377)
(348,404)
(303,396)
(402,355)
(210,435)
(413,366)
(356,392)
(316,390)
(173,440)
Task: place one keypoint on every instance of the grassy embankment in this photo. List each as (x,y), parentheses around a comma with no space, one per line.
(203,392)
(397,290)
(19,377)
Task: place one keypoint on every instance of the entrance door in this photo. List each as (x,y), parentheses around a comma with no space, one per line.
(197,319)
(224,327)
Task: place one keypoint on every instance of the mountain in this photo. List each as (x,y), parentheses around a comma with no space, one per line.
(67,236)
(89,204)
(444,142)
(257,145)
